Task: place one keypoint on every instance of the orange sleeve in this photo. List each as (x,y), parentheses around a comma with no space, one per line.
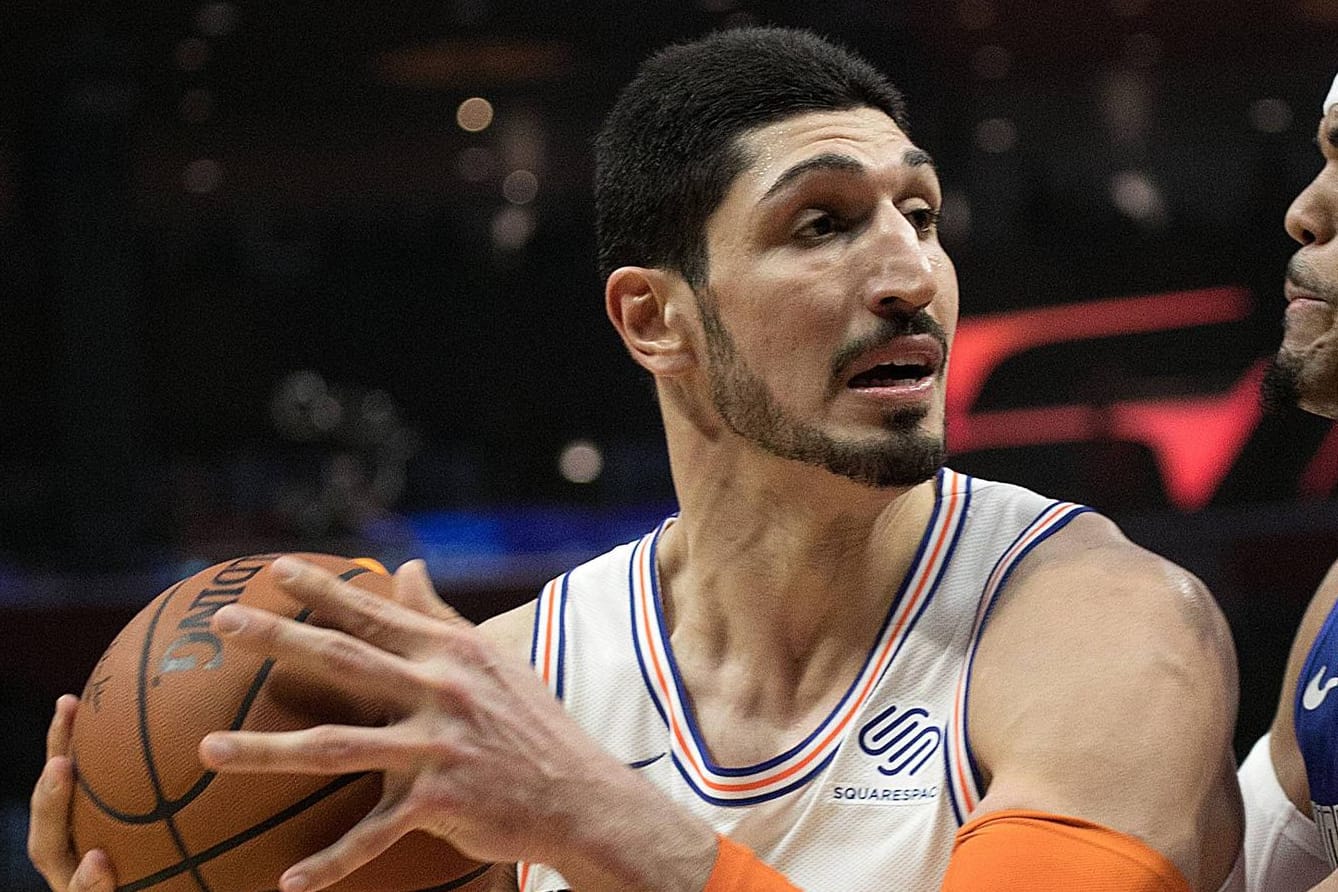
(737,869)
(1029,851)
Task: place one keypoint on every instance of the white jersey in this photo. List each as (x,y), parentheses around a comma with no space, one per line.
(870,799)
(1284,850)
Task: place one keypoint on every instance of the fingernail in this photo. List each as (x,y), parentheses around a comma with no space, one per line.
(229,620)
(218,749)
(286,568)
(296,883)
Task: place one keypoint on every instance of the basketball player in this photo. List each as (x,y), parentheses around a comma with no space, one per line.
(841,665)
(1290,779)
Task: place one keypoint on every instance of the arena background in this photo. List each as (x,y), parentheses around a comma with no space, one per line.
(320,276)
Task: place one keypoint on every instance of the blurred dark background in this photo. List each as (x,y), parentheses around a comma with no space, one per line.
(320,276)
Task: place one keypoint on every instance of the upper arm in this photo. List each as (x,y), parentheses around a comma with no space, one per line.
(1104,688)
(1287,762)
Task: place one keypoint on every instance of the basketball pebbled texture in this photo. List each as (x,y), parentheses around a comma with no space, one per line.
(169,824)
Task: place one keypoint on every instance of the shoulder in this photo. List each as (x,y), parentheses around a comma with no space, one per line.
(1088,580)
(1286,756)
(1104,687)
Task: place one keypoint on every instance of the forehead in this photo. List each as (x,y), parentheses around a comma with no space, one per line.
(865,135)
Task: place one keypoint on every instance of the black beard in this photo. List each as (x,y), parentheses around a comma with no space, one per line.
(904,457)
(1281,387)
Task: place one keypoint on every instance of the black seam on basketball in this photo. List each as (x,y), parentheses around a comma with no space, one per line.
(142,700)
(191,862)
(166,809)
(124,817)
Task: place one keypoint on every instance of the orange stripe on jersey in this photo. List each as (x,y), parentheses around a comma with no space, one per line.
(548,636)
(655,661)
(550,596)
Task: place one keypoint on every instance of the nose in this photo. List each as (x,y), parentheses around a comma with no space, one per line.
(1310,219)
(903,278)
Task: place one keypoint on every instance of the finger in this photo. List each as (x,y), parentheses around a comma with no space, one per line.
(371,836)
(62,720)
(350,608)
(413,588)
(322,750)
(48,828)
(94,874)
(328,653)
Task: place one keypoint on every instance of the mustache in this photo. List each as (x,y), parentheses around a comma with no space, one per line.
(1303,276)
(888,329)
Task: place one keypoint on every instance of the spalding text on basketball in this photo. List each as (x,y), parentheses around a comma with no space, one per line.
(197,647)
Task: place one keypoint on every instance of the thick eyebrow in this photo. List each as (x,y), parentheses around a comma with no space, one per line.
(1332,136)
(838,162)
(917,158)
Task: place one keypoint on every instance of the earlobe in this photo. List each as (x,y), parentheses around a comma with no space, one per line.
(640,304)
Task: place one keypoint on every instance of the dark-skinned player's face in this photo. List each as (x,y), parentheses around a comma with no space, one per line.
(1306,367)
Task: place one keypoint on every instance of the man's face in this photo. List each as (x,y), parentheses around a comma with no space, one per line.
(1306,368)
(829,303)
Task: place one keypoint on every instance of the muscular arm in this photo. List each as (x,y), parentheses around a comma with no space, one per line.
(1104,689)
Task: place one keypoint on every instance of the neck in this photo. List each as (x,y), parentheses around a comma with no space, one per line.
(774,557)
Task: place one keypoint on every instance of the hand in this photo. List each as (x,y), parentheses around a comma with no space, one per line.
(49,844)
(477,750)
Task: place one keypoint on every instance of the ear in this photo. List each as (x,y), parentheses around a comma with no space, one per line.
(644,305)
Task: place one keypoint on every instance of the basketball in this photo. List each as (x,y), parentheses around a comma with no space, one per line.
(170,825)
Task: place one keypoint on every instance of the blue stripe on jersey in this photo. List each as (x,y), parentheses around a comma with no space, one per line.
(947,776)
(636,633)
(538,620)
(562,633)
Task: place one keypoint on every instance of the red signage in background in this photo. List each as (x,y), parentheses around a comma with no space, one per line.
(1194,439)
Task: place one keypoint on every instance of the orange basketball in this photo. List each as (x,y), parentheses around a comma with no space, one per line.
(170,825)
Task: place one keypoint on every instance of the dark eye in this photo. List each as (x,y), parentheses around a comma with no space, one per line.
(819,226)
(925,220)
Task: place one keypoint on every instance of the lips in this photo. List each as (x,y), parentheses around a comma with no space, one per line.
(902,362)
(1294,292)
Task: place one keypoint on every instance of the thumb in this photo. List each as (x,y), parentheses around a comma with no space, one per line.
(94,874)
(413,589)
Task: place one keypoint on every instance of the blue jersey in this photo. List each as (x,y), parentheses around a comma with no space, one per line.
(1315,714)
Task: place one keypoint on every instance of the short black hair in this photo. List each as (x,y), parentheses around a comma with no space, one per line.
(669,149)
